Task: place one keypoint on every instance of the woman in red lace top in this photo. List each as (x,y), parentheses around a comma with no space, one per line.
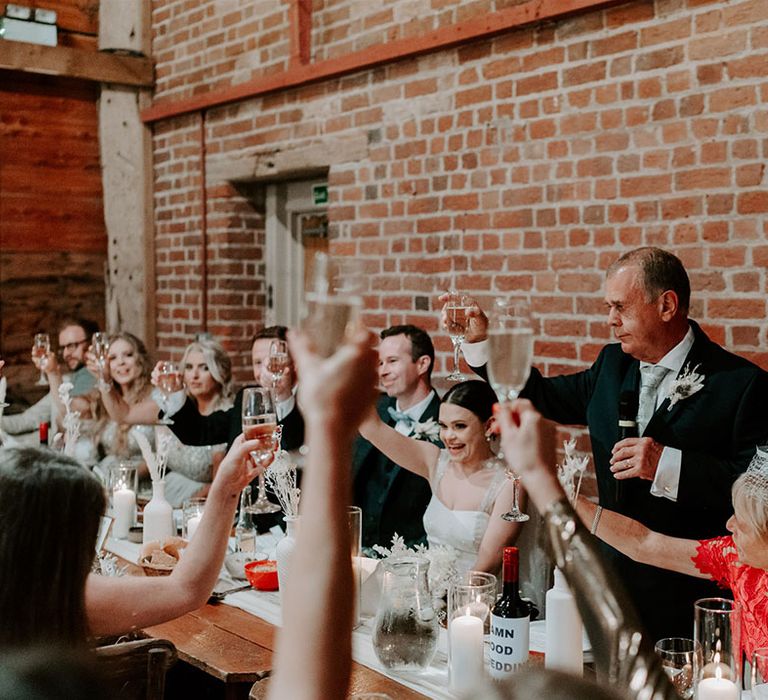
(738,561)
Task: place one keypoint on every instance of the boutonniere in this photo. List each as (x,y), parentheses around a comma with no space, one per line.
(428,430)
(688,382)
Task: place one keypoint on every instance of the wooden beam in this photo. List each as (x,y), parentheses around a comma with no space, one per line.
(76,63)
(301,32)
(487,26)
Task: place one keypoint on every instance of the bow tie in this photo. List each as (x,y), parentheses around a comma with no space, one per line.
(398,416)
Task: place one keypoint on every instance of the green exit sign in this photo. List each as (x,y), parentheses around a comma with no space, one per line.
(320,194)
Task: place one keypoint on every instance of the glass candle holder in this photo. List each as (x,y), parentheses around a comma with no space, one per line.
(717,628)
(470,599)
(192,514)
(122,485)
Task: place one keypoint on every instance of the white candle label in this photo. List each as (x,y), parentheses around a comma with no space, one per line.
(509,644)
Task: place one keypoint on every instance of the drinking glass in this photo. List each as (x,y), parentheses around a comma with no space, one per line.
(334,303)
(3,404)
(681,658)
(191,514)
(122,486)
(760,674)
(510,352)
(168,382)
(278,361)
(456,307)
(41,346)
(260,423)
(717,628)
(100,348)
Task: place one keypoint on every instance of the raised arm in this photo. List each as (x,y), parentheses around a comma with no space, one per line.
(417,456)
(314,647)
(118,605)
(638,542)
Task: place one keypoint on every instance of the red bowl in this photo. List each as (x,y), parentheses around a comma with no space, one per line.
(262,575)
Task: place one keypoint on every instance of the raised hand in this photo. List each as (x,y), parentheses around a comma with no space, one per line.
(477,321)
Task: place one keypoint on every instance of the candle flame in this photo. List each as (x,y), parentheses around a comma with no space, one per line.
(718,669)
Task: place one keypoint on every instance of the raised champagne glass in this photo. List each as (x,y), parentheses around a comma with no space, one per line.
(456,307)
(510,352)
(278,360)
(100,349)
(260,423)
(41,346)
(169,379)
(334,302)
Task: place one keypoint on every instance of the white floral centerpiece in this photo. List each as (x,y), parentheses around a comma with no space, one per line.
(281,478)
(571,471)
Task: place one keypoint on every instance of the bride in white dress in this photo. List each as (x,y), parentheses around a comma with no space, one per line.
(469,489)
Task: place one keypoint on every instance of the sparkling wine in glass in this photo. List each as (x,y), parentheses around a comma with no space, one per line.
(41,346)
(260,423)
(100,349)
(510,352)
(334,303)
(456,307)
(278,360)
(168,383)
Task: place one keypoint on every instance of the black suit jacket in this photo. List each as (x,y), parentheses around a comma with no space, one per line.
(404,496)
(716,429)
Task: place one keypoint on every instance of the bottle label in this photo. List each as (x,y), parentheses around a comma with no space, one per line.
(509,644)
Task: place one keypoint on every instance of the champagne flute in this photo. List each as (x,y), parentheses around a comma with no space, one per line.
(278,360)
(41,346)
(3,403)
(456,307)
(510,351)
(334,303)
(168,383)
(260,423)
(100,348)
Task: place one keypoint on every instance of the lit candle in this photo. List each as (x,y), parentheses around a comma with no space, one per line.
(466,646)
(192,524)
(124,508)
(717,689)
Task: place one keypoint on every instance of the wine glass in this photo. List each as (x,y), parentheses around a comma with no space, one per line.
(168,383)
(278,360)
(100,349)
(456,307)
(510,351)
(41,346)
(334,303)
(3,403)
(260,423)
(680,657)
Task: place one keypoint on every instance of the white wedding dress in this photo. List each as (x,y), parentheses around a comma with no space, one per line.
(464,529)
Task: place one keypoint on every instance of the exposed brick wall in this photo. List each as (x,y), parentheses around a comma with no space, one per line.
(523,163)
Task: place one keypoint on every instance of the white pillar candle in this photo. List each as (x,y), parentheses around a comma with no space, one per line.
(717,689)
(466,649)
(192,525)
(124,508)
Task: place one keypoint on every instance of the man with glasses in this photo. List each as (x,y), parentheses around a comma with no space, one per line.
(74,339)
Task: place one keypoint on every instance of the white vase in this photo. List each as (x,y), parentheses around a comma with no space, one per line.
(284,551)
(158,516)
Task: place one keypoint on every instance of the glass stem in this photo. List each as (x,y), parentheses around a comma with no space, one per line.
(262,488)
(515,501)
(456,348)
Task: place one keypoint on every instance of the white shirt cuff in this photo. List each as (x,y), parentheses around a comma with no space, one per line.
(667,479)
(476,354)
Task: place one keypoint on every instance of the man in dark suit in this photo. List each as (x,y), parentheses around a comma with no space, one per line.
(700,411)
(393,500)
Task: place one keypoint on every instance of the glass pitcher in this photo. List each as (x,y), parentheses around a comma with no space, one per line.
(405,631)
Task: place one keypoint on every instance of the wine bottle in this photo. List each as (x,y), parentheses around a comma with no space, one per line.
(510,621)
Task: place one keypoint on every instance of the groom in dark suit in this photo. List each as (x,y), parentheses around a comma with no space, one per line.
(393,500)
(700,412)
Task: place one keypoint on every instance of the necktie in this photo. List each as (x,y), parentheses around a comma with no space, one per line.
(398,416)
(650,378)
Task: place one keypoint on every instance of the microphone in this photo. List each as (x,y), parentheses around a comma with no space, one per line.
(628,402)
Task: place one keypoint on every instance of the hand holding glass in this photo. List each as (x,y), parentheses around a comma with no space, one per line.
(260,423)
(100,349)
(169,379)
(510,352)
